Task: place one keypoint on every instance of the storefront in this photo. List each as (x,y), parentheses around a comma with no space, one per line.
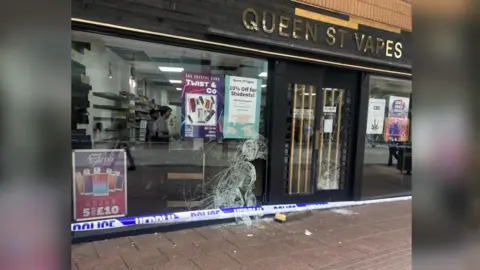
(279,103)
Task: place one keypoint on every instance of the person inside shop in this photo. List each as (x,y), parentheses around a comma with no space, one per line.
(157,127)
(123,138)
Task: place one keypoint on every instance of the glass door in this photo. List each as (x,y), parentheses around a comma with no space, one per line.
(311,126)
(300,141)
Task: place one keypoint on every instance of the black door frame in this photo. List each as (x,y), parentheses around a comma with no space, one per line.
(282,73)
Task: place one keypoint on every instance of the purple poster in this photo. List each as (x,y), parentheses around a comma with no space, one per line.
(202,106)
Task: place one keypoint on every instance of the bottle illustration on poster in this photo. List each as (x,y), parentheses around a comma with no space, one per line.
(99,189)
(201,110)
(202,105)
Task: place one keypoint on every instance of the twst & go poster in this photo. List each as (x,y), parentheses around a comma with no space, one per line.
(202,105)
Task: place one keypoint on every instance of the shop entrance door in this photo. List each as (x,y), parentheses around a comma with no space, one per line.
(309,141)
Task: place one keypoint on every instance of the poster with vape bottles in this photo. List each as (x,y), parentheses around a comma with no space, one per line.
(99,184)
(396,129)
(398,107)
(202,105)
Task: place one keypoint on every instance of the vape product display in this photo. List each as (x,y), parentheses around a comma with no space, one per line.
(88,182)
(99,183)
(200,109)
(210,115)
(119,180)
(208,105)
(111,180)
(192,105)
(80,183)
(201,115)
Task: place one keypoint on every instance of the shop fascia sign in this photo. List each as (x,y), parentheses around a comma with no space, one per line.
(301,29)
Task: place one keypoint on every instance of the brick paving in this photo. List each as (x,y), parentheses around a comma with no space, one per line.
(366,237)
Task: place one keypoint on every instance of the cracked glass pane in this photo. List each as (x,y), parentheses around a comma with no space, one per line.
(128,87)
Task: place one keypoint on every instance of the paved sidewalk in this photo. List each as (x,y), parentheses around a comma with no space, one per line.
(358,238)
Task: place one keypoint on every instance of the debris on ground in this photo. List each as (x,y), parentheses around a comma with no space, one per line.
(293,216)
(261,227)
(308,233)
(249,235)
(280,217)
(343,211)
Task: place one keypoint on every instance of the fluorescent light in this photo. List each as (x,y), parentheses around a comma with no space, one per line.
(175,81)
(264,85)
(171,69)
(179,89)
(263,74)
(308,94)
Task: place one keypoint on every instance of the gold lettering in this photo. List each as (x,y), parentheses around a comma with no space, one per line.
(342,36)
(388,51)
(359,42)
(380,45)
(284,22)
(297,23)
(250,24)
(331,36)
(368,44)
(264,23)
(398,50)
(311,32)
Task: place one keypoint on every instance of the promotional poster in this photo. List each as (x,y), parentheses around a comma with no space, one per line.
(398,107)
(376,116)
(396,129)
(99,184)
(242,107)
(202,105)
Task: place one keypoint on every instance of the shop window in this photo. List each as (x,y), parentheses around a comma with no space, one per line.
(210,127)
(388,149)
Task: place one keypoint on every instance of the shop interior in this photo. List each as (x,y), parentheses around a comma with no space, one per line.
(115,84)
(387,169)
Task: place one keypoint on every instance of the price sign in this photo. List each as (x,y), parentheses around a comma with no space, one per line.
(99,184)
(101,211)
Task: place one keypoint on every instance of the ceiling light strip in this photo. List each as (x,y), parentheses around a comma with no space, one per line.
(240,47)
(171,69)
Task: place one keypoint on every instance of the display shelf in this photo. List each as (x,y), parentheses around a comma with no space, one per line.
(110,107)
(80,46)
(110,96)
(127,94)
(141,111)
(77,65)
(141,103)
(112,118)
(109,140)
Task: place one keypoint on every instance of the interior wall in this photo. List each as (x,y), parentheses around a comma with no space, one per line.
(97,62)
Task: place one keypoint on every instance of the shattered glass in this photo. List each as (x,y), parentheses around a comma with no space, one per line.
(235,185)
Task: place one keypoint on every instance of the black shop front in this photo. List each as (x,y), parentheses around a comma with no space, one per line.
(333,113)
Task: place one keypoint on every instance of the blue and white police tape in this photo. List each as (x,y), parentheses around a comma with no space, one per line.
(215,214)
